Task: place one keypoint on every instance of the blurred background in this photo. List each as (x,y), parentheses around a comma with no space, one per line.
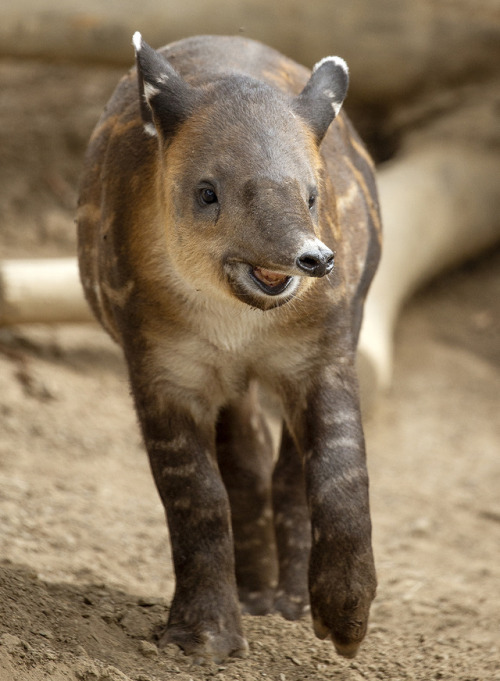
(417,66)
(77,502)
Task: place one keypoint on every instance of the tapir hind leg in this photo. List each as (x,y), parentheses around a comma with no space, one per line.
(293,531)
(245,456)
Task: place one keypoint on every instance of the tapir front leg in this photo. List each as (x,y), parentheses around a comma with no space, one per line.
(342,579)
(204,615)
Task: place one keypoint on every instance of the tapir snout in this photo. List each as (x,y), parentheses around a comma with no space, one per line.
(316,262)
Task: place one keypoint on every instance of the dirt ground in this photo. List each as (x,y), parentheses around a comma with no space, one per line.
(85,573)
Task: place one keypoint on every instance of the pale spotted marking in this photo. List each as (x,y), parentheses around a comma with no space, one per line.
(332,377)
(182,504)
(346,200)
(150,129)
(344,478)
(340,418)
(150,91)
(198,514)
(372,209)
(336,443)
(176,443)
(254,595)
(89,211)
(344,443)
(120,129)
(118,296)
(101,128)
(184,471)
(201,514)
(360,149)
(264,518)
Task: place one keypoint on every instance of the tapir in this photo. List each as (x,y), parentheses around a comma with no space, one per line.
(229,229)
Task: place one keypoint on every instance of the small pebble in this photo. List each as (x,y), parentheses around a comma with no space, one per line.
(148,649)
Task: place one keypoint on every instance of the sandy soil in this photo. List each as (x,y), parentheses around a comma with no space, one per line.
(85,574)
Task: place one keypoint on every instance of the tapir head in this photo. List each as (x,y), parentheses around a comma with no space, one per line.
(241,176)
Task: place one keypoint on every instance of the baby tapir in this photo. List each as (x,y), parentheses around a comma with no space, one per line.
(228,232)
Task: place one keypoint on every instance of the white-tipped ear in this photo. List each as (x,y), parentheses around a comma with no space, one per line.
(342,70)
(137,41)
(322,98)
(166,99)
(337,61)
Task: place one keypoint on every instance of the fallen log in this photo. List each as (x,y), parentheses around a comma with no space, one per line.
(41,291)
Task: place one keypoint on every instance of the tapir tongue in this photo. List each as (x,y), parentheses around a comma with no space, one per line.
(269,277)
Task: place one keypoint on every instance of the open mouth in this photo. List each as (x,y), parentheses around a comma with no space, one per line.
(272,283)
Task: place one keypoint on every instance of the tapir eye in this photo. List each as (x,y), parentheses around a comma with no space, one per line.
(208,196)
(312,200)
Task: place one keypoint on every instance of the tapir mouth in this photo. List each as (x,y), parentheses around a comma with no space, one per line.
(259,286)
(272,283)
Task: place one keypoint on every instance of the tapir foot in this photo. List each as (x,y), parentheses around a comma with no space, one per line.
(346,642)
(342,617)
(204,646)
(342,591)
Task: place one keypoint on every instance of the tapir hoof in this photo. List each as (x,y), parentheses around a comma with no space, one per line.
(205,647)
(347,642)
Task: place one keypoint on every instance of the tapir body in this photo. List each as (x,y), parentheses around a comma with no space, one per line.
(216,200)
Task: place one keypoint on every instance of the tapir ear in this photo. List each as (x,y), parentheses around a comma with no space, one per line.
(321,99)
(166,98)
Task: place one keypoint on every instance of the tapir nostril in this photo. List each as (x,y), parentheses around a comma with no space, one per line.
(316,264)
(308,262)
(329,262)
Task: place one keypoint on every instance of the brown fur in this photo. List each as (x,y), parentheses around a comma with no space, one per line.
(168,277)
